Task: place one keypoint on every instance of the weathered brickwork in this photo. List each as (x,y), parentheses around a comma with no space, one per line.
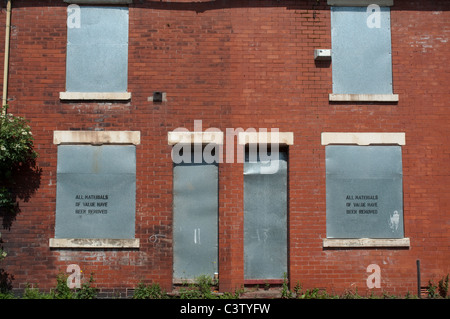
(236,64)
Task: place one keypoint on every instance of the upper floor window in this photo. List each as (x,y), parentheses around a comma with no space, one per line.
(97,53)
(361,52)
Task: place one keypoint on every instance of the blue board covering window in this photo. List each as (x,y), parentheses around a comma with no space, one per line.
(265,216)
(195,218)
(96,191)
(364,191)
(97,50)
(361,50)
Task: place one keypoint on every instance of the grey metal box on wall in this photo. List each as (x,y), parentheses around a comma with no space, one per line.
(364,192)
(96,191)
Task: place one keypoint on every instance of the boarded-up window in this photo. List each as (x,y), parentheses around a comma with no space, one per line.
(195,218)
(265,215)
(361,50)
(97,50)
(364,191)
(96,191)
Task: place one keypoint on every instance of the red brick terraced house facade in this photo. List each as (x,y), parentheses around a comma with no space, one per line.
(256,142)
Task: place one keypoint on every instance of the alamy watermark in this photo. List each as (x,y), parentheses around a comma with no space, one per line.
(73,16)
(262,146)
(374,279)
(374,18)
(74,279)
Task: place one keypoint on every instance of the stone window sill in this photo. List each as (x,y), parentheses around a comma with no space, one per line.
(93,96)
(363,97)
(365,242)
(93,243)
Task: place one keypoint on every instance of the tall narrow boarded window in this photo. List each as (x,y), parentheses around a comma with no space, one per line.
(97,49)
(265,214)
(361,50)
(364,191)
(195,216)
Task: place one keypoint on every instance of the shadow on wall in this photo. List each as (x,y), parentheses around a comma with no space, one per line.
(24,181)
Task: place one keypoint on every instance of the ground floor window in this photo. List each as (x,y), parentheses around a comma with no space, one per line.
(96,189)
(364,191)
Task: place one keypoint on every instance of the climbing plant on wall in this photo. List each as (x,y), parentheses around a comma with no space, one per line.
(16,149)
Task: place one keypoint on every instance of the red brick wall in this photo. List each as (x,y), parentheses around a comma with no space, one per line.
(237,64)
